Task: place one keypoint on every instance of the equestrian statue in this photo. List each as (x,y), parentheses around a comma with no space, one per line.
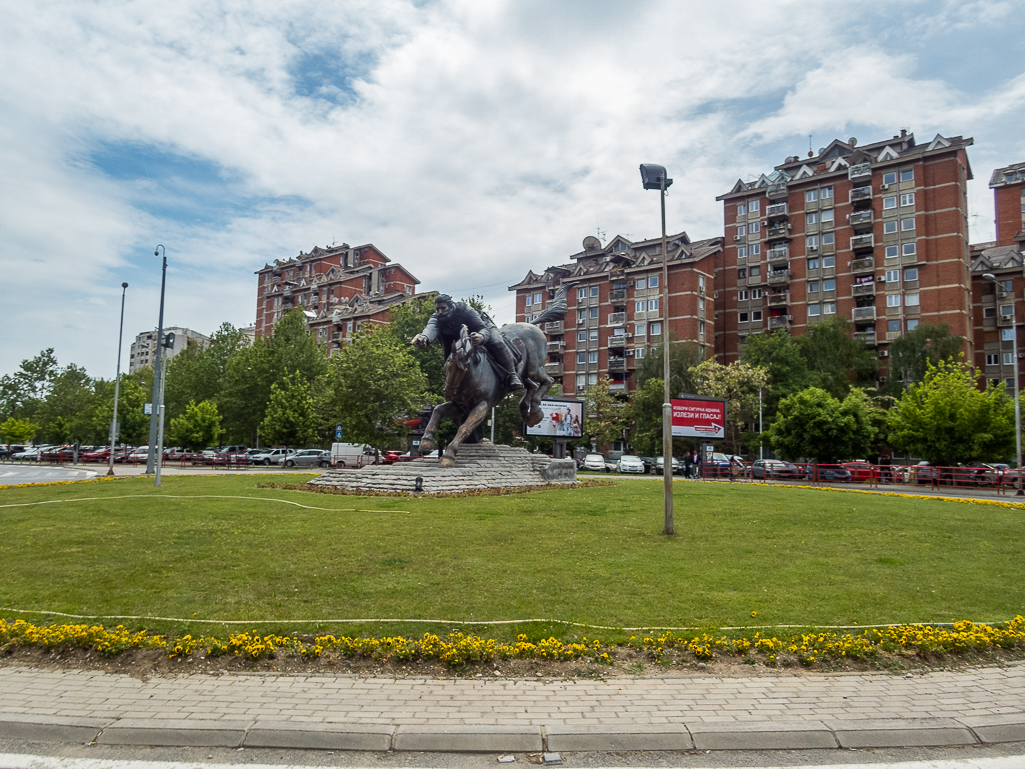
(483,364)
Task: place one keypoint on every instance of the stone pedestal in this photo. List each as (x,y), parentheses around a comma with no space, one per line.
(478,466)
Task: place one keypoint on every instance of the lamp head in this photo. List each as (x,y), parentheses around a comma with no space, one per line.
(989,276)
(124,285)
(652,176)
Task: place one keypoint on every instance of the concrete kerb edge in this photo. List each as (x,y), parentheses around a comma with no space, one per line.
(759,735)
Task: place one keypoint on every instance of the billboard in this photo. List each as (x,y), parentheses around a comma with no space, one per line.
(563,418)
(695,416)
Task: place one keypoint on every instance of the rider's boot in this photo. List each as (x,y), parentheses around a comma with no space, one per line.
(513,382)
(504,358)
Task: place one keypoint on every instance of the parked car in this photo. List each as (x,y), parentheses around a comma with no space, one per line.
(32,453)
(676,466)
(268,456)
(649,464)
(596,463)
(306,458)
(390,457)
(628,463)
(765,469)
(834,474)
(861,470)
(923,472)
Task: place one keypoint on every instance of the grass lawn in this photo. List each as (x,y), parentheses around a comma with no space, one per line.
(596,556)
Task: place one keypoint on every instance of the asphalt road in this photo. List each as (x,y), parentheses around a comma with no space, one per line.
(13,473)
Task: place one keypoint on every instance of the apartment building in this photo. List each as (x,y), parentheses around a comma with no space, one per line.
(143,351)
(340,288)
(1008,185)
(877,234)
(615,306)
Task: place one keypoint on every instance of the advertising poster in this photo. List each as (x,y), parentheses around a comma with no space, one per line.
(698,417)
(563,419)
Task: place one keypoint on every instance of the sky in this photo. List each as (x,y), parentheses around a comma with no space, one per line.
(469,140)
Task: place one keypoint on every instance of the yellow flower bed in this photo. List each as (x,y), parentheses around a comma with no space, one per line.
(457,650)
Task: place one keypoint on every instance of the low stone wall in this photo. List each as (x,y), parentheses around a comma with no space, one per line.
(479,466)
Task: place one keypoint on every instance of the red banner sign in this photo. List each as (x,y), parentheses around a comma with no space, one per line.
(699,417)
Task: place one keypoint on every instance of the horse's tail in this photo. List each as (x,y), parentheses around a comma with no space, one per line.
(557,308)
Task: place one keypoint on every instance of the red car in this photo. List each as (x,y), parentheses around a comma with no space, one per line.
(861,470)
(391,457)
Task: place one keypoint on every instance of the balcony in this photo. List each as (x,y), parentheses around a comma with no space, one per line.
(779,300)
(864,313)
(868,337)
(776,209)
(861,193)
(617,364)
(557,346)
(779,321)
(860,171)
(617,341)
(862,265)
(860,218)
(779,231)
(553,328)
(617,318)
(778,276)
(554,369)
(778,254)
(617,387)
(865,289)
(862,242)
(777,190)
(617,296)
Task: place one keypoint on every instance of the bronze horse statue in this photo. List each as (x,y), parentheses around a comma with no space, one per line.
(473,385)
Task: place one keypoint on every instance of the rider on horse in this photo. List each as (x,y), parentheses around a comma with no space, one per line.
(449,317)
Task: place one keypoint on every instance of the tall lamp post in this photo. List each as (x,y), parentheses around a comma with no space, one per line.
(154,417)
(117,384)
(654,178)
(1014,356)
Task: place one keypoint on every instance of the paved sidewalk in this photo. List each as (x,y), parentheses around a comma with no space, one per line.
(516,715)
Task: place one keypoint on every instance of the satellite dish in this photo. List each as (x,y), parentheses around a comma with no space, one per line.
(853,141)
(592,243)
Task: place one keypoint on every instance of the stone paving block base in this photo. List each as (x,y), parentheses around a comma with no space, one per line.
(319,736)
(768,735)
(604,738)
(918,733)
(1008,727)
(468,739)
(14,726)
(174,733)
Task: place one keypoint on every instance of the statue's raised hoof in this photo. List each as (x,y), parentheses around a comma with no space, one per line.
(427,445)
(447,461)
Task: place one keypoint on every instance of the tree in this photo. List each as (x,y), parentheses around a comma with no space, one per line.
(197,428)
(813,424)
(783,358)
(375,384)
(22,392)
(197,374)
(136,390)
(68,412)
(291,419)
(738,384)
(946,419)
(18,431)
(645,415)
(683,356)
(911,354)
(408,320)
(605,415)
(836,361)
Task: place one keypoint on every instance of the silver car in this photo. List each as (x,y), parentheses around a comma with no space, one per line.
(306,458)
(628,463)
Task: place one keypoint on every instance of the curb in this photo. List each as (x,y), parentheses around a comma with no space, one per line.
(756,735)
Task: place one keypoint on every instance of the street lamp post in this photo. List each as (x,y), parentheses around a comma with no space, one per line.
(154,417)
(653,177)
(1014,359)
(117,383)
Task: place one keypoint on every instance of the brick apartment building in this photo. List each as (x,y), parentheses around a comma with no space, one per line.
(341,287)
(615,306)
(143,351)
(876,234)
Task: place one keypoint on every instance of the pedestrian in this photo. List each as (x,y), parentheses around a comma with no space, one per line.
(688,465)
(884,467)
(697,465)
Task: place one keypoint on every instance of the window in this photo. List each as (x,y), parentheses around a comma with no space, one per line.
(594,291)
(911,300)
(989,312)
(593,335)
(741,251)
(827,215)
(655,329)
(911,273)
(741,230)
(813,286)
(742,296)
(754,249)
(701,282)
(828,261)
(756,293)
(742,273)
(907,175)
(741,209)
(652,305)
(756,227)
(811,241)
(581,315)
(756,271)
(889,202)
(592,379)
(639,328)
(814,310)
(992,360)
(581,293)
(592,357)
(753,205)
(581,381)
(810,196)
(1006,285)
(813,263)
(893,300)
(826,193)
(829,284)
(641,283)
(639,306)
(811,217)
(912,324)
(1006,309)
(891,252)
(756,315)
(893,325)
(1007,335)
(593,313)
(527,301)
(743,318)
(889,228)
(909,249)
(890,177)
(537,299)
(640,352)
(581,358)
(907,224)
(893,276)
(829,308)
(1008,358)
(907,199)
(581,336)
(653,281)
(828,238)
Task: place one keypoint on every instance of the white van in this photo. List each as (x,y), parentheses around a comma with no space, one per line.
(352,455)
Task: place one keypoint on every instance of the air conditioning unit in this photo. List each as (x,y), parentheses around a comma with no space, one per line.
(629,353)
(882,380)
(880,279)
(1006,318)
(738,237)
(884,353)
(629,336)
(884,186)
(813,248)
